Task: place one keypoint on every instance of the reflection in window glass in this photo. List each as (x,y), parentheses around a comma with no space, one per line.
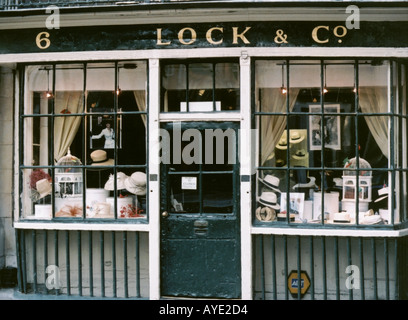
(184,194)
(200,87)
(218,193)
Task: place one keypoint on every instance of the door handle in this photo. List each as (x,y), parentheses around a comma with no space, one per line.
(165,214)
(201,227)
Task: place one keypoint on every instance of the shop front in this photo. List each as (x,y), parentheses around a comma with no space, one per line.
(209,152)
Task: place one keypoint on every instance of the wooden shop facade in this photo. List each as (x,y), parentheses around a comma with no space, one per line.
(205,149)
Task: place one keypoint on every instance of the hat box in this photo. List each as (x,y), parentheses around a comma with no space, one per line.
(94,196)
(43,211)
(331,203)
(121,203)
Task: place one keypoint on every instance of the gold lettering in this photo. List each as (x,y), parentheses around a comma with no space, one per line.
(314,34)
(159,38)
(42,40)
(336,32)
(237,35)
(193,36)
(343,33)
(209,35)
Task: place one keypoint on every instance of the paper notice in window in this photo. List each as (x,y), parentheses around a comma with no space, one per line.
(189,183)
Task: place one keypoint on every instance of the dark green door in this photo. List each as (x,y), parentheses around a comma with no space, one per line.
(200,230)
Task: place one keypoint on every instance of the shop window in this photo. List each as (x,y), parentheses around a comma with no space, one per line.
(200,87)
(331,140)
(83,141)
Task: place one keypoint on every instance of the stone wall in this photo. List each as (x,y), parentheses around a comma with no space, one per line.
(7,235)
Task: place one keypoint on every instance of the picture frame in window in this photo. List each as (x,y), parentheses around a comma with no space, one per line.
(296,203)
(331,127)
(101,126)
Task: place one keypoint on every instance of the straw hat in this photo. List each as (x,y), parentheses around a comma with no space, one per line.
(383,192)
(100,158)
(296,137)
(271,182)
(120,181)
(282,144)
(136,183)
(265,214)
(43,187)
(269,199)
(300,154)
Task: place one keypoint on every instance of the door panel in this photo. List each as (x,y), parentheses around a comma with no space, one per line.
(200,242)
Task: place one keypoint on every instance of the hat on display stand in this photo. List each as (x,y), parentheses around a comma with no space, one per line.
(269,199)
(43,187)
(265,214)
(120,182)
(382,193)
(271,182)
(300,154)
(136,183)
(300,158)
(99,158)
(283,143)
(296,137)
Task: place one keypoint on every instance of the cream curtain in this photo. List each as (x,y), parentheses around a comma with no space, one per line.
(375,100)
(65,128)
(272,127)
(140,97)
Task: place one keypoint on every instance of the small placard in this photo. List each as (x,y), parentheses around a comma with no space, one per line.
(189,183)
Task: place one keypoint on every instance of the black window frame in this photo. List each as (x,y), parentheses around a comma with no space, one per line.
(22,216)
(397,112)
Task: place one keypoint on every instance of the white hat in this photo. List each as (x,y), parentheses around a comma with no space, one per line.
(100,158)
(271,182)
(300,154)
(382,192)
(136,183)
(120,181)
(296,137)
(283,143)
(269,199)
(43,187)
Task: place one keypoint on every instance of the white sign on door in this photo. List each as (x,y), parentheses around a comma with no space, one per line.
(189,183)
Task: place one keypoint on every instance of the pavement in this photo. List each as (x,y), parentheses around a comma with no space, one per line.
(14,294)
